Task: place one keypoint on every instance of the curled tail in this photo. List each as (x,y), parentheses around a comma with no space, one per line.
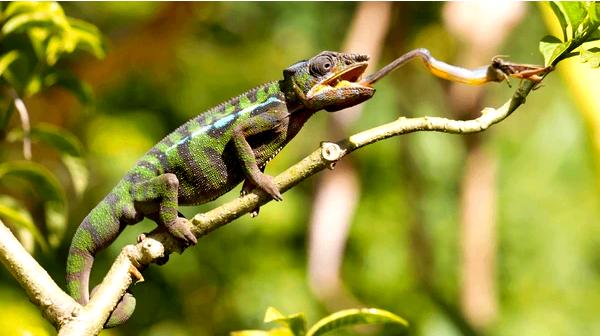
(100,228)
(79,262)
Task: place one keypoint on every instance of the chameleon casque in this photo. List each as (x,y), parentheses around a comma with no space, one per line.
(211,154)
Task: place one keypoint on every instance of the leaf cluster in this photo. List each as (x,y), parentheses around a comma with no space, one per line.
(295,324)
(34,37)
(579,22)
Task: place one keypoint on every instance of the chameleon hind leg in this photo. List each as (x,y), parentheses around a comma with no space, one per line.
(162,191)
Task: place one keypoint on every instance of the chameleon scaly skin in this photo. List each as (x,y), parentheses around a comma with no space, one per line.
(211,154)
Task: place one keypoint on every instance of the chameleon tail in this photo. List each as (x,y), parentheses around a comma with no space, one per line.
(79,264)
(96,231)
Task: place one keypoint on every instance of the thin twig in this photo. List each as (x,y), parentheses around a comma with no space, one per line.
(24,115)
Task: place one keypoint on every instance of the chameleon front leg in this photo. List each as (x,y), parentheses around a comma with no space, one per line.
(275,120)
(162,190)
(247,188)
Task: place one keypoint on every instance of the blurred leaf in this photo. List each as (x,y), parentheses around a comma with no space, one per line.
(351,317)
(22,22)
(272,332)
(54,48)
(78,171)
(88,37)
(295,322)
(60,139)
(38,37)
(16,214)
(56,222)
(49,189)
(69,147)
(591,56)
(561,19)
(574,12)
(70,82)
(38,176)
(71,151)
(33,86)
(593,12)
(552,48)
(7,59)
(19,7)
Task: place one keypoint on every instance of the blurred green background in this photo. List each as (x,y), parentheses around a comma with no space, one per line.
(167,62)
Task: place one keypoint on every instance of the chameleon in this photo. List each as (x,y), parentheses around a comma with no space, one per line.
(229,144)
(211,154)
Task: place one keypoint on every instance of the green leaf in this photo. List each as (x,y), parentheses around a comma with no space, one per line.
(70,82)
(56,222)
(272,332)
(79,173)
(552,48)
(48,188)
(562,20)
(54,48)
(593,13)
(353,317)
(88,37)
(37,175)
(7,59)
(26,21)
(574,12)
(595,35)
(295,322)
(60,139)
(19,7)
(16,214)
(591,56)
(67,145)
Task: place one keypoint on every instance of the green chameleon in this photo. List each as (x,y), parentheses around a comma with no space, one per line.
(211,154)
(230,143)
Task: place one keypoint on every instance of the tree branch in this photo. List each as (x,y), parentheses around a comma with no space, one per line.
(56,305)
(159,243)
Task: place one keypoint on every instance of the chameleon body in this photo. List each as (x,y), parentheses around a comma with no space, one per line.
(211,154)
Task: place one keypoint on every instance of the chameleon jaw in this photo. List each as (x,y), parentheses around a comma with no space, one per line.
(347,78)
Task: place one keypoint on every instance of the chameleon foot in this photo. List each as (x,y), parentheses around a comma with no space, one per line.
(180,229)
(267,184)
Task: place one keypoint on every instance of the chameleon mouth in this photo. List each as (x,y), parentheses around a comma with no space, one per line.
(347,78)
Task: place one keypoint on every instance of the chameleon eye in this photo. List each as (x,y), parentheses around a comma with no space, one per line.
(321,65)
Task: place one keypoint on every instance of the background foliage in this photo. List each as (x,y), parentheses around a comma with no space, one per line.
(165,63)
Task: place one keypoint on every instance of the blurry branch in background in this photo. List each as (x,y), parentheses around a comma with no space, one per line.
(25,124)
(477,267)
(340,191)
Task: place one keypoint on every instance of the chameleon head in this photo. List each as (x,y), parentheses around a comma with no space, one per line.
(329,81)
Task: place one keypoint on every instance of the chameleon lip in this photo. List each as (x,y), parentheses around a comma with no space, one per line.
(348,77)
(351,74)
